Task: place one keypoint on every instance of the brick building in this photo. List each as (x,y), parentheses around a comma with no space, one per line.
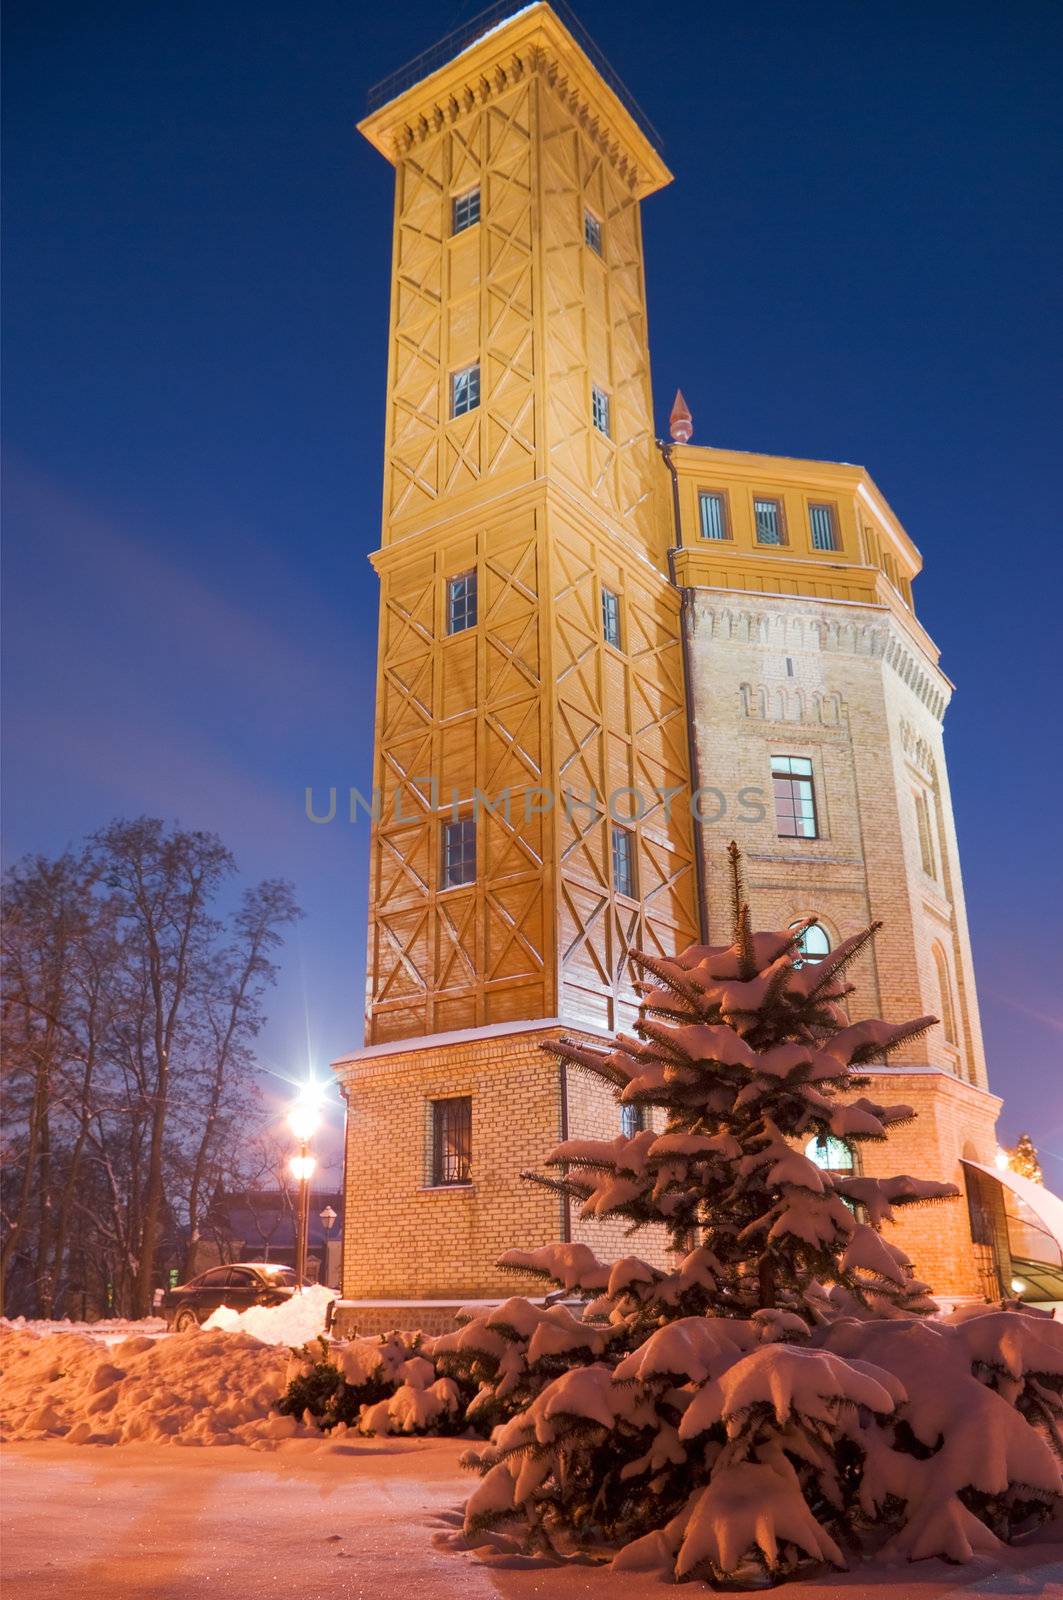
(601,658)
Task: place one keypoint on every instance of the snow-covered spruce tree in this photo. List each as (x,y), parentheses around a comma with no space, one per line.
(777,1396)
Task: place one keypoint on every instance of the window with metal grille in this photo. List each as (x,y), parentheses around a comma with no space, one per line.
(795,799)
(713,514)
(592,231)
(464,390)
(465,210)
(461,602)
(632,1121)
(624,861)
(459,852)
(769,520)
(611,617)
(452,1140)
(600,410)
(821,523)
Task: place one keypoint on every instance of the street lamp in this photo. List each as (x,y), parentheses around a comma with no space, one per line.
(328,1221)
(304,1119)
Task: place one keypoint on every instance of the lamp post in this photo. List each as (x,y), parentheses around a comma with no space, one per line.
(304,1120)
(328,1220)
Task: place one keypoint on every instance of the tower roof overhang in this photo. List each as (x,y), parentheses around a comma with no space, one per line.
(530,39)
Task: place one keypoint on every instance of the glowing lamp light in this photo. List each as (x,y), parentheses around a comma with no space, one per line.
(1001,1161)
(302,1168)
(1017,1286)
(304,1120)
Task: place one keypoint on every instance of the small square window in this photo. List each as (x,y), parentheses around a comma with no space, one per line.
(769,520)
(822,527)
(795,799)
(452,1141)
(459,852)
(611,617)
(600,410)
(624,862)
(464,390)
(592,231)
(461,602)
(712,509)
(465,210)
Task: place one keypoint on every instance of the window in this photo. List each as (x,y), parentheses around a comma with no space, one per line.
(821,526)
(592,231)
(600,410)
(624,861)
(461,602)
(795,800)
(464,390)
(216,1278)
(948,1020)
(611,617)
(452,1141)
(242,1278)
(465,210)
(459,852)
(713,513)
(632,1121)
(769,520)
(813,946)
(831,1154)
(926,837)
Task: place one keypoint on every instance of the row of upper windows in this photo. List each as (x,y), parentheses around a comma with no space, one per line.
(769,520)
(465,397)
(458,856)
(465,213)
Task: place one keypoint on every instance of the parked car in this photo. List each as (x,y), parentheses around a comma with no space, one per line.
(245,1283)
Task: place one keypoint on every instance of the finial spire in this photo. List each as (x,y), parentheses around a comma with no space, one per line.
(680,423)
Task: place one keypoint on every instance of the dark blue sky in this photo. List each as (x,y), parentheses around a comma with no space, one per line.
(858,260)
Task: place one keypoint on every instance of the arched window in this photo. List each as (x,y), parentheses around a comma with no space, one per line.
(832,1154)
(813,945)
(948,1019)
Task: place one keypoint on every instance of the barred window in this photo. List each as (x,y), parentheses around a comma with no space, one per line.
(713,513)
(600,410)
(821,524)
(461,602)
(769,521)
(465,210)
(624,861)
(452,1141)
(795,799)
(592,231)
(459,852)
(611,617)
(464,390)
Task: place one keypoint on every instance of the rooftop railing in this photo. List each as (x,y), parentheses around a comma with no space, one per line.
(460,39)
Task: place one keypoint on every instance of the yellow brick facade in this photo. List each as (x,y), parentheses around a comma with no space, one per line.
(729,653)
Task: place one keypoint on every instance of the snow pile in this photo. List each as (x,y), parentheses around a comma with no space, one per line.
(110,1330)
(203,1388)
(292,1322)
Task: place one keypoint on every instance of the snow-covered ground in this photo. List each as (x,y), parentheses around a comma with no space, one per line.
(355,1521)
(111,1331)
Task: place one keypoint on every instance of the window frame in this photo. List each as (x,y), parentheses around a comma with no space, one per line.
(637,1114)
(593,233)
(601,407)
(805,960)
(440,1124)
(792,778)
(778,502)
(617,831)
(927,853)
(470,372)
(612,626)
(721,496)
(470,600)
(458,200)
(466,822)
(835,530)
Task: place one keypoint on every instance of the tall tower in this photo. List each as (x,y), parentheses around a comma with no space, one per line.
(531,732)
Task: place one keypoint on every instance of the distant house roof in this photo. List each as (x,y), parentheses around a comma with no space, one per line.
(256,1218)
